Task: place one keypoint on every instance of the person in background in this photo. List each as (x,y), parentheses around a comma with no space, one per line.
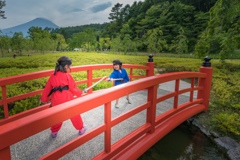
(119,72)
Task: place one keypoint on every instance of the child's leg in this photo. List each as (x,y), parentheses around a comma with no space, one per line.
(77,122)
(129,102)
(116,105)
(56,128)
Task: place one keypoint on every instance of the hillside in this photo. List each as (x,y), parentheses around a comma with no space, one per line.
(38,22)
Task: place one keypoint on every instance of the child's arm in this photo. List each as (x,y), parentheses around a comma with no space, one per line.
(72,86)
(111,76)
(46,91)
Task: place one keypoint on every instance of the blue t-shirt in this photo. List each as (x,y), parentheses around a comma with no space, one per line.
(116,74)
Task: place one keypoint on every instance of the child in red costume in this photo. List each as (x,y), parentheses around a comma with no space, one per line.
(62,87)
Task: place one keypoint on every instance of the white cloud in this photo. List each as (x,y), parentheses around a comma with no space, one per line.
(101,7)
(61,12)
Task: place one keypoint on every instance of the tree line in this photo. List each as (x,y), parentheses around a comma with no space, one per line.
(177,26)
(39,39)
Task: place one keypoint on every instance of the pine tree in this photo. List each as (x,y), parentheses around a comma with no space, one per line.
(2,13)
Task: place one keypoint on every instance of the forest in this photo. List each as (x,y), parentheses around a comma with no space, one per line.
(200,27)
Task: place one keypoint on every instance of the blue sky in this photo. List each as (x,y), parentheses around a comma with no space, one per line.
(61,12)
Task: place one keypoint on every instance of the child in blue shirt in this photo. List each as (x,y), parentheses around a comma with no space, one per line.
(118,73)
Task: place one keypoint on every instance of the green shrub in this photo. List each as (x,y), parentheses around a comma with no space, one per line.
(228,122)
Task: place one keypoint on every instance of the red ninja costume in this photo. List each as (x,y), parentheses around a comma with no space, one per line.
(62,79)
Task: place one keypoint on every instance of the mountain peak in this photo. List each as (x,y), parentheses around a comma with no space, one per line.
(37,22)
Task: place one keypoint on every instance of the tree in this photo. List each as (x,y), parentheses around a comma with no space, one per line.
(125,12)
(101,43)
(1,43)
(116,44)
(201,46)
(89,37)
(33,30)
(115,12)
(180,44)
(117,20)
(224,22)
(28,44)
(40,38)
(61,43)
(65,34)
(107,43)
(6,42)
(78,40)
(2,13)
(125,30)
(17,41)
(44,44)
(126,43)
(155,40)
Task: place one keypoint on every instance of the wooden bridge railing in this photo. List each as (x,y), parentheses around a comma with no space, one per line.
(30,76)
(135,143)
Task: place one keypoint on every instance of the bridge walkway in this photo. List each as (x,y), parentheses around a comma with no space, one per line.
(42,143)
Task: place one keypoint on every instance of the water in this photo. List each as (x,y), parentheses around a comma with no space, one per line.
(183,144)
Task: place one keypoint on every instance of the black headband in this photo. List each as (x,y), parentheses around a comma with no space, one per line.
(62,64)
(119,63)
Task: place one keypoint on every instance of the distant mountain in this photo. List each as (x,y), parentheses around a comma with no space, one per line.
(38,22)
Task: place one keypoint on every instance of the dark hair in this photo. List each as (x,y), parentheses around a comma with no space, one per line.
(117,62)
(62,61)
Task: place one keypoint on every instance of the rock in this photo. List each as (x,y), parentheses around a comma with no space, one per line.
(234,154)
(226,143)
(214,134)
(189,121)
(201,127)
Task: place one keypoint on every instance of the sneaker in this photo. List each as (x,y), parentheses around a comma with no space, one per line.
(116,106)
(129,102)
(54,134)
(82,131)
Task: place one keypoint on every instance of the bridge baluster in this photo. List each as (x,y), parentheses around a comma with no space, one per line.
(192,91)
(107,134)
(175,105)
(5,105)
(89,77)
(131,73)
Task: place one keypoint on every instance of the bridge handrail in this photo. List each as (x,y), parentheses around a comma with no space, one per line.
(40,74)
(18,130)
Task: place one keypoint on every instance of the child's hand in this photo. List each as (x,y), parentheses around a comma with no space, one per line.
(85,91)
(108,79)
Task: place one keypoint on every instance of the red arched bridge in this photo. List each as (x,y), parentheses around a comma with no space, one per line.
(15,128)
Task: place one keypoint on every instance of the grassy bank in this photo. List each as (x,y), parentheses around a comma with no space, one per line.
(223,115)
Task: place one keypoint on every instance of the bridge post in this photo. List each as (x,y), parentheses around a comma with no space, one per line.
(5,154)
(151,111)
(150,64)
(152,96)
(205,83)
